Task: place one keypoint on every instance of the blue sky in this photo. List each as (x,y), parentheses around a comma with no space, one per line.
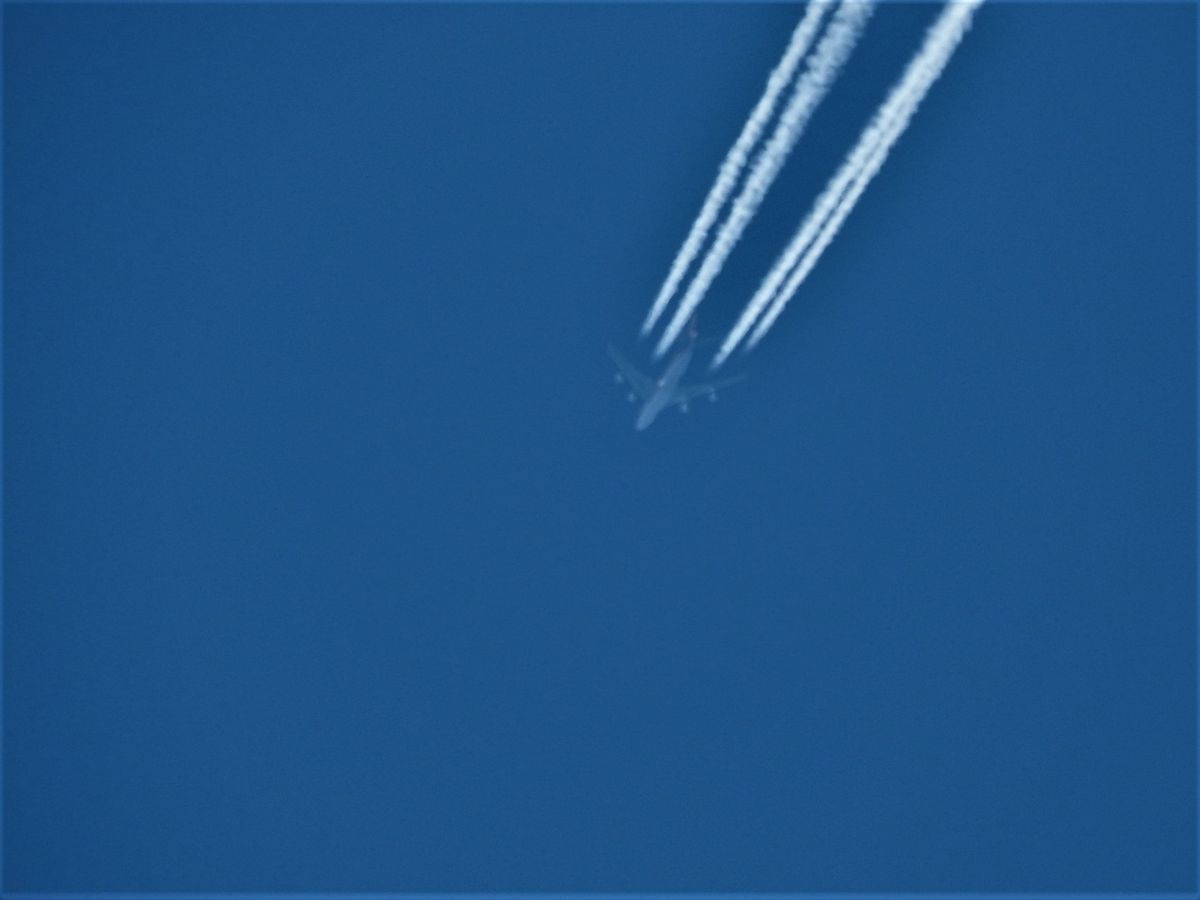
(333,562)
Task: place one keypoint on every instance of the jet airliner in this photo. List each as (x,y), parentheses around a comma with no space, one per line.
(657,394)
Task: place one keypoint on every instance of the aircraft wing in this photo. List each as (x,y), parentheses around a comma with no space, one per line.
(638,383)
(688,392)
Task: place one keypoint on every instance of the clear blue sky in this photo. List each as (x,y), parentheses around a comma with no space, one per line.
(333,562)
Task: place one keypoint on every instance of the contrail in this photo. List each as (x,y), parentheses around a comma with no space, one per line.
(735,160)
(844,189)
(828,231)
(823,67)
(950,27)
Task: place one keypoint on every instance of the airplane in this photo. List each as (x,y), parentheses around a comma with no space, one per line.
(667,390)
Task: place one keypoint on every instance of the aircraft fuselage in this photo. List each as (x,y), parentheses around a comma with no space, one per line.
(665,388)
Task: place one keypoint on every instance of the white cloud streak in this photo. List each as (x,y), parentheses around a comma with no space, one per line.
(822,70)
(846,187)
(738,155)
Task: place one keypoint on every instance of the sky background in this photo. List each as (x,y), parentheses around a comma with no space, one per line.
(332,560)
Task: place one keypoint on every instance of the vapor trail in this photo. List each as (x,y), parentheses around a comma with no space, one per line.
(735,160)
(828,231)
(844,189)
(823,67)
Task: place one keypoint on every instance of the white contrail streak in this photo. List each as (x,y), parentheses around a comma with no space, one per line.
(957,19)
(844,189)
(823,67)
(828,231)
(739,153)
